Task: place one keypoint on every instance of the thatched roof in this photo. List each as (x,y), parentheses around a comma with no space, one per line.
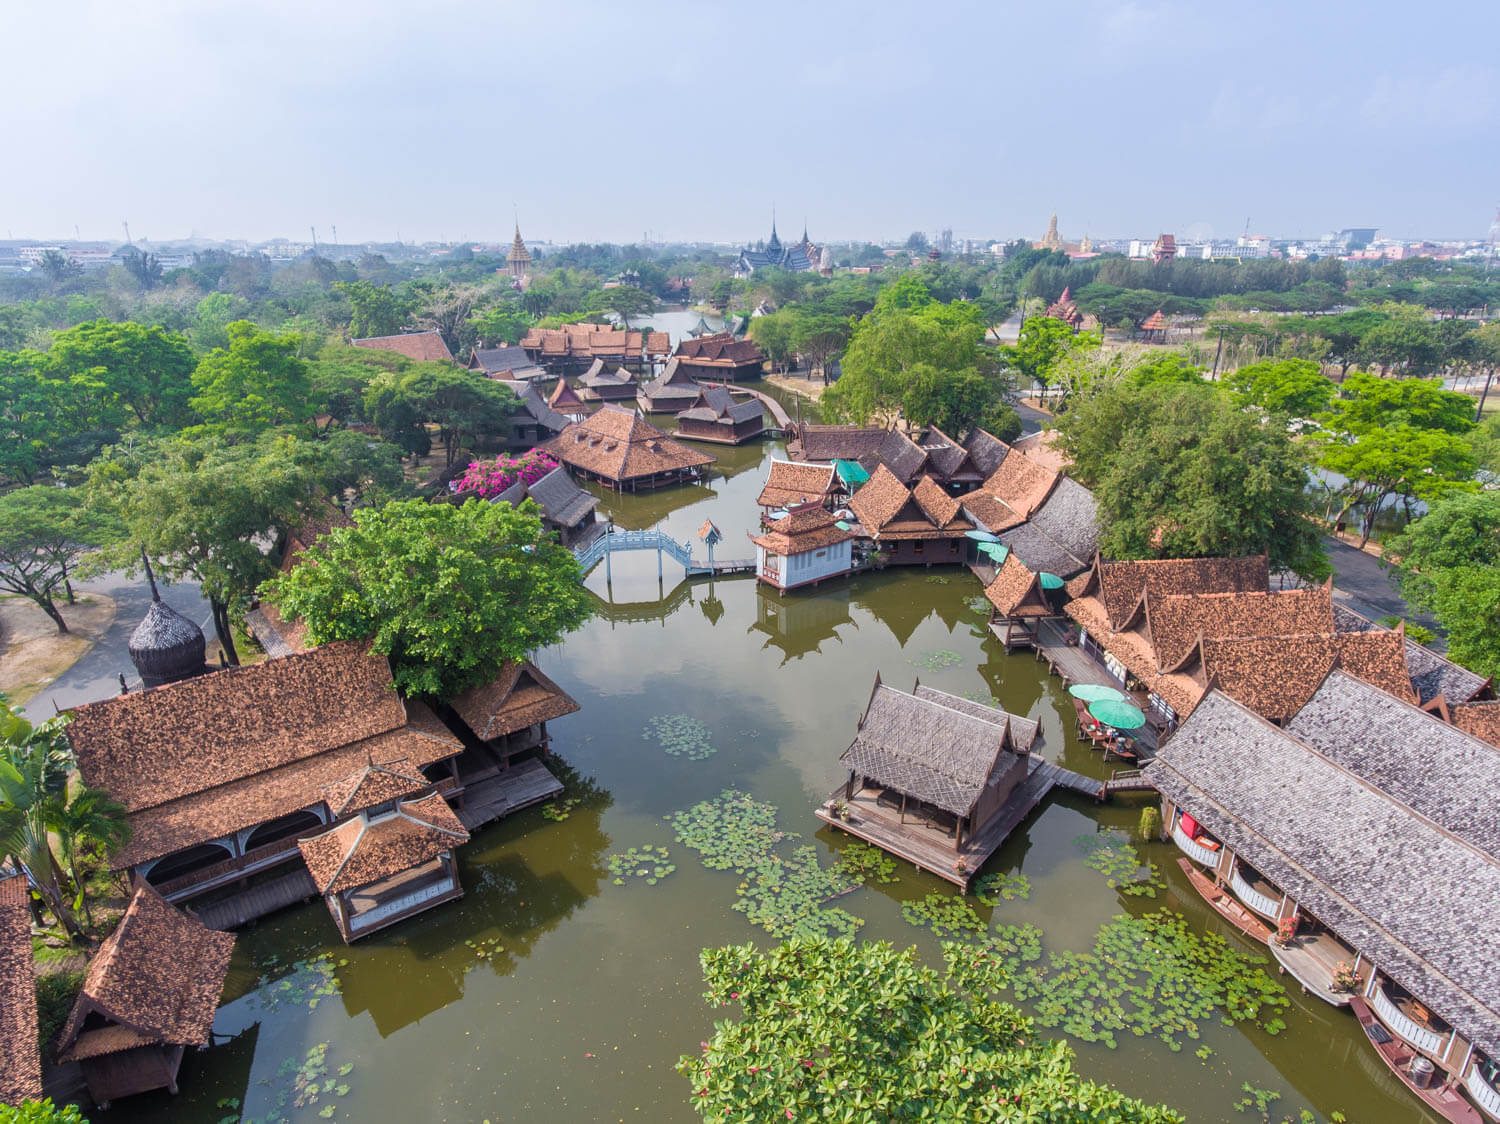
(159,975)
(926,749)
(1412,896)
(519,696)
(618,445)
(166,646)
(790,482)
(20,1061)
(367,848)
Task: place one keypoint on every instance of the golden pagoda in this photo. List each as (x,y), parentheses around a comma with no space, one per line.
(519,258)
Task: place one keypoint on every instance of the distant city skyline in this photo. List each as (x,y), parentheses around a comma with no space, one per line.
(255,120)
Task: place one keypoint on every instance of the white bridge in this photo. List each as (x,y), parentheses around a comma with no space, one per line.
(615,540)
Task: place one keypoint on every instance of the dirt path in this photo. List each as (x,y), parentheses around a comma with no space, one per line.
(33,653)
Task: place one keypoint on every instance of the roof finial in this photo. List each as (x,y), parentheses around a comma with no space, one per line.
(150,577)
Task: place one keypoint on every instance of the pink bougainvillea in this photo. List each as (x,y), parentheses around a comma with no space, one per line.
(489,478)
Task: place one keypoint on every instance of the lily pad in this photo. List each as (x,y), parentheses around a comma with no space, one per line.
(680,735)
(650,864)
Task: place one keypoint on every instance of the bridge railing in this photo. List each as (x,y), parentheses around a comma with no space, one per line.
(615,540)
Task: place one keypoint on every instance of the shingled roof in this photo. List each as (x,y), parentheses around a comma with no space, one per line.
(372,784)
(804,528)
(1177,623)
(1275,676)
(1482,719)
(1020,733)
(925,749)
(421,346)
(674,384)
(836,442)
(1040,551)
(159,975)
(1324,833)
(986,451)
(720,350)
(1119,586)
(888,508)
(565,399)
(1016,591)
(20,1061)
(791,482)
(618,445)
(899,453)
(519,696)
(562,501)
(195,760)
(367,849)
(500,361)
(1021,483)
(1432,675)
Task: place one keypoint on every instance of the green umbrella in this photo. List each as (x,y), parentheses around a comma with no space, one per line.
(996,550)
(1050,581)
(981,536)
(1096,692)
(1120,715)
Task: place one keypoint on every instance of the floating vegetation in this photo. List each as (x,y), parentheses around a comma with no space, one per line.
(1257,1100)
(1150,976)
(992,962)
(980,606)
(559,810)
(307,983)
(935,660)
(310,1083)
(648,863)
(936,580)
(944,914)
(785,894)
(992,889)
(1112,856)
(867,865)
(983,698)
(485,948)
(680,735)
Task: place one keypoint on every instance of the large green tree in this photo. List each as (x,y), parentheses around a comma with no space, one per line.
(624,301)
(257,383)
(147,369)
(461,403)
(448,591)
(868,1034)
(204,509)
(374,310)
(1295,387)
(1366,402)
(1181,471)
(1043,341)
(44,532)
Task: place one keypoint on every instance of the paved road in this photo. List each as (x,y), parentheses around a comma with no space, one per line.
(96,676)
(1366,582)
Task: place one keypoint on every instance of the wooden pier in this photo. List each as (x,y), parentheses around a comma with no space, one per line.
(1070,663)
(508,791)
(930,847)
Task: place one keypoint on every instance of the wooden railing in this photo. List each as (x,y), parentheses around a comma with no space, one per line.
(1263,905)
(1195,851)
(1483,1092)
(1397,1020)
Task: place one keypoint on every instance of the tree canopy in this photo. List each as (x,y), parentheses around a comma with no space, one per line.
(1295,387)
(866,1033)
(448,591)
(1183,472)
(255,383)
(44,532)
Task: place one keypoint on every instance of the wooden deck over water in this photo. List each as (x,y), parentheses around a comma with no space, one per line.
(1310,960)
(1074,665)
(256,902)
(522,785)
(931,847)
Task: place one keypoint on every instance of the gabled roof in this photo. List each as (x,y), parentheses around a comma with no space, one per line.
(1016,591)
(899,453)
(675,381)
(564,397)
(947,457)
(1275,676)
(1070,517)
(367,849)
(519,696)
(1177,623)
(886,507)
(537,408)
(1039,551)
(925,749)
(20,1061)
(1119,586)
(599,375)
(1431,674)
(421,346)
(1021,483)
(940,508)
(838,442)
(807,527)
(792,482)
(989,511)
(1354,855)
(1041,448)
(619,445)
(879,499)
(1482,719)
(720,350)
(1437,770)
(159,974)
(370,785)
(986,451)
(493,360)
(562,501)
(1021,733)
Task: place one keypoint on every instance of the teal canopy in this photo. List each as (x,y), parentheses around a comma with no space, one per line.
(1096,692)
(1120,715)
(981,536)
(842,526)
(1050,581)
(851,473)
(996,550)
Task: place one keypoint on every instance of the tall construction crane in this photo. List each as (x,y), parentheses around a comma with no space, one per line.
(126,225)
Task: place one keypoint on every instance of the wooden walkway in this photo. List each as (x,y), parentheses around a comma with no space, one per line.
(522,785)
(257,901)
(1073,665)
(930,847)
(773,407)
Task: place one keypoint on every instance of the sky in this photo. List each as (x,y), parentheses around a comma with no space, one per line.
(443,119)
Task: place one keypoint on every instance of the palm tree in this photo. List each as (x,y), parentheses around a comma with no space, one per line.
(34,764)
(91,818)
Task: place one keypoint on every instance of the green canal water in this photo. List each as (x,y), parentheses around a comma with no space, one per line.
(549,993)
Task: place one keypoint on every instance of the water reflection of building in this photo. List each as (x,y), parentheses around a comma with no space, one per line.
(801,623)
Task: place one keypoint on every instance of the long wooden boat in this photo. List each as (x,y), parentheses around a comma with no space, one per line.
(1226,904)
(1440,1097)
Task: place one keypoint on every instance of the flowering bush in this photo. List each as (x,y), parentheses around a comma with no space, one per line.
(1344,978)
(1286,930)
(489,478)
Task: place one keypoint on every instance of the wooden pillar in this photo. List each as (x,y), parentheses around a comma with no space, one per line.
(903,808)
(849,787)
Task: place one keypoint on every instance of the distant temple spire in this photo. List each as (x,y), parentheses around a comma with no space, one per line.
(519,258)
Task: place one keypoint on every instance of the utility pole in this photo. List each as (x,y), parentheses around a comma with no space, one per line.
(126,225)
(315,238)
(335,236)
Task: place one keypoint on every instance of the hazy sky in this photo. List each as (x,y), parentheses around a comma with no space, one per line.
(688,120)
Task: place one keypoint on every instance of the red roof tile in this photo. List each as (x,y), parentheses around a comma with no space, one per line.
(421,346)
(20,1061)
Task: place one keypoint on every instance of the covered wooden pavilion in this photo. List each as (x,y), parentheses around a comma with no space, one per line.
(791,483)
(721,357)
(673,390)
(626,452)
(1019,604)
(717,417)
(150,992)
(600,384)
(911,526)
